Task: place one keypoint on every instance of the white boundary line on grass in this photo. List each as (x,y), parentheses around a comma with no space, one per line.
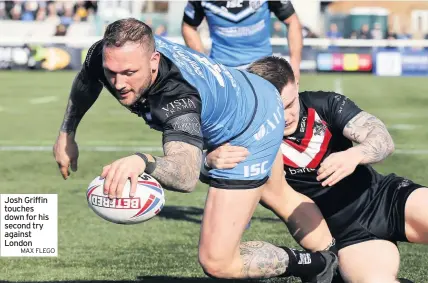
(25,148)
(83,148)
(403,127)
(43,100)
(411,151)
(338,86)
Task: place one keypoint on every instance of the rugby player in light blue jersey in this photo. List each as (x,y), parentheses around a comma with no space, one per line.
(241,30)
(198,104)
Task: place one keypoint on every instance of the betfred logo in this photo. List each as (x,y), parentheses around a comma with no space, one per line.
(364,62)
(118,203)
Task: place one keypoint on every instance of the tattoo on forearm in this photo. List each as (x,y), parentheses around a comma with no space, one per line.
(83,94)
(374,139)
(70,122)
(179,169)
(262,260)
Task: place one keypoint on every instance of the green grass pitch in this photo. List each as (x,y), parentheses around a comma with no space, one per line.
(163,249)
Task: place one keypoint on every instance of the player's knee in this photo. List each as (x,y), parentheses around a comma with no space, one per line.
(213,265)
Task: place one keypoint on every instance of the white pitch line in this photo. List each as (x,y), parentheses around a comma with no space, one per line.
(403,126)
(401,115)
(44,99)
(411,151)
(338,86)
(83,148)
(25,148)
(129,143)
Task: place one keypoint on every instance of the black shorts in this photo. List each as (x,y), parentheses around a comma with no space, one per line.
(376,214)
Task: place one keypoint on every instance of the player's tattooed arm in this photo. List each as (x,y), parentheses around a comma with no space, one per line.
(84,92)
(262,260)
(374,141)
(179,169)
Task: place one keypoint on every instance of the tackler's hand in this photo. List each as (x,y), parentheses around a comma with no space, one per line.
(226,156)
(338,166)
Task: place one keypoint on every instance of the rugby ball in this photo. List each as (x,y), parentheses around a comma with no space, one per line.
(148,201)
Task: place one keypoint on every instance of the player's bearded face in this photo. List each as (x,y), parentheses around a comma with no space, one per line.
(290,99)
(129,69)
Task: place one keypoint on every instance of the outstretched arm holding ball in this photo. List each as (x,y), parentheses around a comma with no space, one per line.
(178,170)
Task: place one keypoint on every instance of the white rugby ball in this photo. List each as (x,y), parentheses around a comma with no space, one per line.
(147,202)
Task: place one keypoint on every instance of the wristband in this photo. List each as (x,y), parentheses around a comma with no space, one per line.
(150,165)
(205,161)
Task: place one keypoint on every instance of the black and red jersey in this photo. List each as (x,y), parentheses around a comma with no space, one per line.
(323,116)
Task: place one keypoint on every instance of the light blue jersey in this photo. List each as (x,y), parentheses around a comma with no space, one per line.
(196,101)
(237,107)
(240,30)
(228,100)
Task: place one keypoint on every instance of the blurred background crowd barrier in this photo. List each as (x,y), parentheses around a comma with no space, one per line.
(378,37)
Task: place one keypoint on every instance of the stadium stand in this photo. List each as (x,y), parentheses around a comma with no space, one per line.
(351,27)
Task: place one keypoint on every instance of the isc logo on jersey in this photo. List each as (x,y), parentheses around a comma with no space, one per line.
(148,201)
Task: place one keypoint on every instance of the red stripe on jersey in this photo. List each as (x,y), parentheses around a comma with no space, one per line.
(308,133)
(323,149)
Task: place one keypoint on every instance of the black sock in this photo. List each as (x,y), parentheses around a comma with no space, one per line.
(403,280)
(338,278)
(304,264)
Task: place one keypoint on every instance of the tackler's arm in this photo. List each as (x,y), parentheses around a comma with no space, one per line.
(375,142)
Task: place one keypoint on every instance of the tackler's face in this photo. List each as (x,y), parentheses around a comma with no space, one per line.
(130,69)
(290,99)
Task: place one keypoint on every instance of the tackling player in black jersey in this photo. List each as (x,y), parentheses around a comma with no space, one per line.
(367,212)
